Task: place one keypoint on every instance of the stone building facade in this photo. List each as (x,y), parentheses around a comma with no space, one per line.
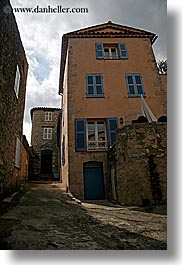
(25,160)
(137,164)
(163,78)
(13,76)
(44,141)
(104,71)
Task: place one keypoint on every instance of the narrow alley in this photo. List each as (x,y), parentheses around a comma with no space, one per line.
(44,217)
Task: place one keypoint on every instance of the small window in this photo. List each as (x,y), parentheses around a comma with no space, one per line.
(17,82)
(48,116)
(96,136)
(111,51)
(94,85)
(47,133)
(134,84)
(17,155)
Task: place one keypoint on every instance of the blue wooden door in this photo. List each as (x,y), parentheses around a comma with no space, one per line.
(94,182)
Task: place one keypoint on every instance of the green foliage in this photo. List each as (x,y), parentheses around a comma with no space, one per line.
(162,66)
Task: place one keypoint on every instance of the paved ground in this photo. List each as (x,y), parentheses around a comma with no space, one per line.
(45,217)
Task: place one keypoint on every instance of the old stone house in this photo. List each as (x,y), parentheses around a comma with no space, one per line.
(45,143)
(137,164)
(13,76)
(105,69)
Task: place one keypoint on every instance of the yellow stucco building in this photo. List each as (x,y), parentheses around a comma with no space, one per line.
(104,71)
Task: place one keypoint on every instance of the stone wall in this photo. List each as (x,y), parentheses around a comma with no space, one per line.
(26,155)
(11,107)
(163,78)
(138,165)
(39,144)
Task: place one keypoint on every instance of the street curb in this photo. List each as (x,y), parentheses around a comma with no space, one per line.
(73,198)
(9,199)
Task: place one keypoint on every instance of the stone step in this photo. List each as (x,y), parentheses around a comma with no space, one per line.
(46,177)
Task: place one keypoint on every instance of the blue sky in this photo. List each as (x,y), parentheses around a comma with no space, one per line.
(41,36)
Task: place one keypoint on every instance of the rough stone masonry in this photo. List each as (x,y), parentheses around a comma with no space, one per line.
(12,57)
(138,165)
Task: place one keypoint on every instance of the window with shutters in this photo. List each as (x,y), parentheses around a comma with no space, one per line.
(134,85)
(47,133)
(94,85)
(48,116)
(111,51)
(63,151)
(17,81)
(95,135)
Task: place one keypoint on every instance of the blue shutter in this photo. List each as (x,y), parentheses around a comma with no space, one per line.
(98,85)
(90,84)
(139,85)
(99,50)
(130,84)
(63,151)
(80,134)
(122,50)
(112,126)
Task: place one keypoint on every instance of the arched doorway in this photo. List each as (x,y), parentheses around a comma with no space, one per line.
(46,161)
(93,181)
(162,119)
(141,119)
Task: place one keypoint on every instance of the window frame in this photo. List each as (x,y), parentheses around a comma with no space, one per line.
(95,84)
(111,57)
(97,147)
(18,153)
(134,75)
(17,81)
(48,116)
(47,131)
(119,47)
(81,133)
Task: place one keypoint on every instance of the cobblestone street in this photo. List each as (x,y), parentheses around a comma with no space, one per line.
(45,217)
